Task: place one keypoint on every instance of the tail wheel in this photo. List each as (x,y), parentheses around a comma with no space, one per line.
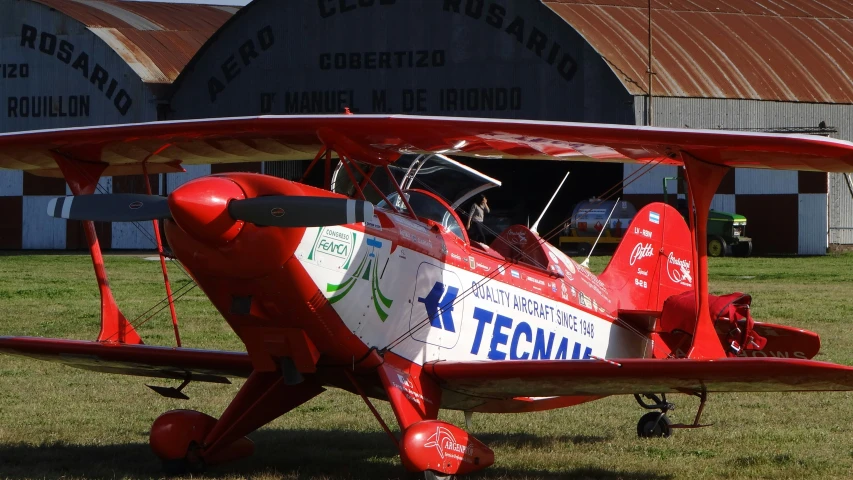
(654,425)
(716,247)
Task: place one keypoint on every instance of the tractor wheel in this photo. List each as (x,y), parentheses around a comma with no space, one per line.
(743,249)
(716,246)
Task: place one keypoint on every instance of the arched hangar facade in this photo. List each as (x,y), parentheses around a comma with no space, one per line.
(69,63)
(739,65)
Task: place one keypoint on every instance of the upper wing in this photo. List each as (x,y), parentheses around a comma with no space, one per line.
(141,360)
(167,145)
(509,379)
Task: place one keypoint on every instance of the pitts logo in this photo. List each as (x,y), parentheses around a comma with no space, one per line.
(366,270)
(679,270)
(444,441)
(640,252)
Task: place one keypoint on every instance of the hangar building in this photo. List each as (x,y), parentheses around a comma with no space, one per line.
(73,63)
(735,65)
(783,66)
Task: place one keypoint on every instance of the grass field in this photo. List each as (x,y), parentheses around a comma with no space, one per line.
(58,422)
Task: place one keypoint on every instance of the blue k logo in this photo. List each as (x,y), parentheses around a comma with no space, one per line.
(439,305)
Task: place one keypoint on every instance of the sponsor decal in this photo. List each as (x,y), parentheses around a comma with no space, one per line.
(679,270)
(277,212)
(484,267)
(425,242)
(472,262)
(537,281)
(654,217)
(439,306)
(445,444)
(574,292)
(368,270)
(333,246)
(501,269)
(554,287)
(516,236)
(456,256)
(135,205)
(564,292)
(642,272)
(405,385)
(500,337)
(640,252)
(373,223)
(641,283)
(514,274)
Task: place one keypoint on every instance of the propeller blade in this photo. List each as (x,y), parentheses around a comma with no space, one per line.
(115,207)
(285,211)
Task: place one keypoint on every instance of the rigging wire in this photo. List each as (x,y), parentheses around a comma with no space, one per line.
(612,191)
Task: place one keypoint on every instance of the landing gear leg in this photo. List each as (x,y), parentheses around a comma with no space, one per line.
(187,441)
(654,424)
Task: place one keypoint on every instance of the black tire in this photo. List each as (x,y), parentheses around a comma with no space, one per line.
(654,425)
(428,475)
(743,249)
(716,246)
(183,466)
(584,248)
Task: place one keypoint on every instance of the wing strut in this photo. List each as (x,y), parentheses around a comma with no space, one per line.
(82,178)
(162,259)
(702,179)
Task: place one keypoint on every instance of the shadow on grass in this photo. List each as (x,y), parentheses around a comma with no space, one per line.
(280,454)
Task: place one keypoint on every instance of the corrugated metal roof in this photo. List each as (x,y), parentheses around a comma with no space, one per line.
(785,50)
(156,39)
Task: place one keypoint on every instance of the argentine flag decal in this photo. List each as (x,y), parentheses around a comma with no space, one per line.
(654,217)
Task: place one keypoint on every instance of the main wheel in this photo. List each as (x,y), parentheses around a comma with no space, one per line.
(428,475)
(654,425)
(716,246)
(583,248)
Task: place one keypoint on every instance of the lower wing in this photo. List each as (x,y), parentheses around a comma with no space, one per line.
(140,360)
(509,379)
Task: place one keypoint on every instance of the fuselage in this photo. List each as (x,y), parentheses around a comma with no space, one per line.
(413,286)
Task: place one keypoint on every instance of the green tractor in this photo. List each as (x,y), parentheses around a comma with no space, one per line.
(726,231)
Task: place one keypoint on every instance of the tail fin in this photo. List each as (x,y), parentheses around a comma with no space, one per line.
(654,260)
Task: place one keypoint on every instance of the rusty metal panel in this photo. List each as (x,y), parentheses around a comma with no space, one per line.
(59,74)
(155,39)
(41,231)
(789,50)
(813,224)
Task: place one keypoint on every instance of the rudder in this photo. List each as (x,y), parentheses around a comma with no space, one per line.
(654,260)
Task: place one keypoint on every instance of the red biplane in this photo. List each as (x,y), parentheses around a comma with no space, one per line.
(392,301)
